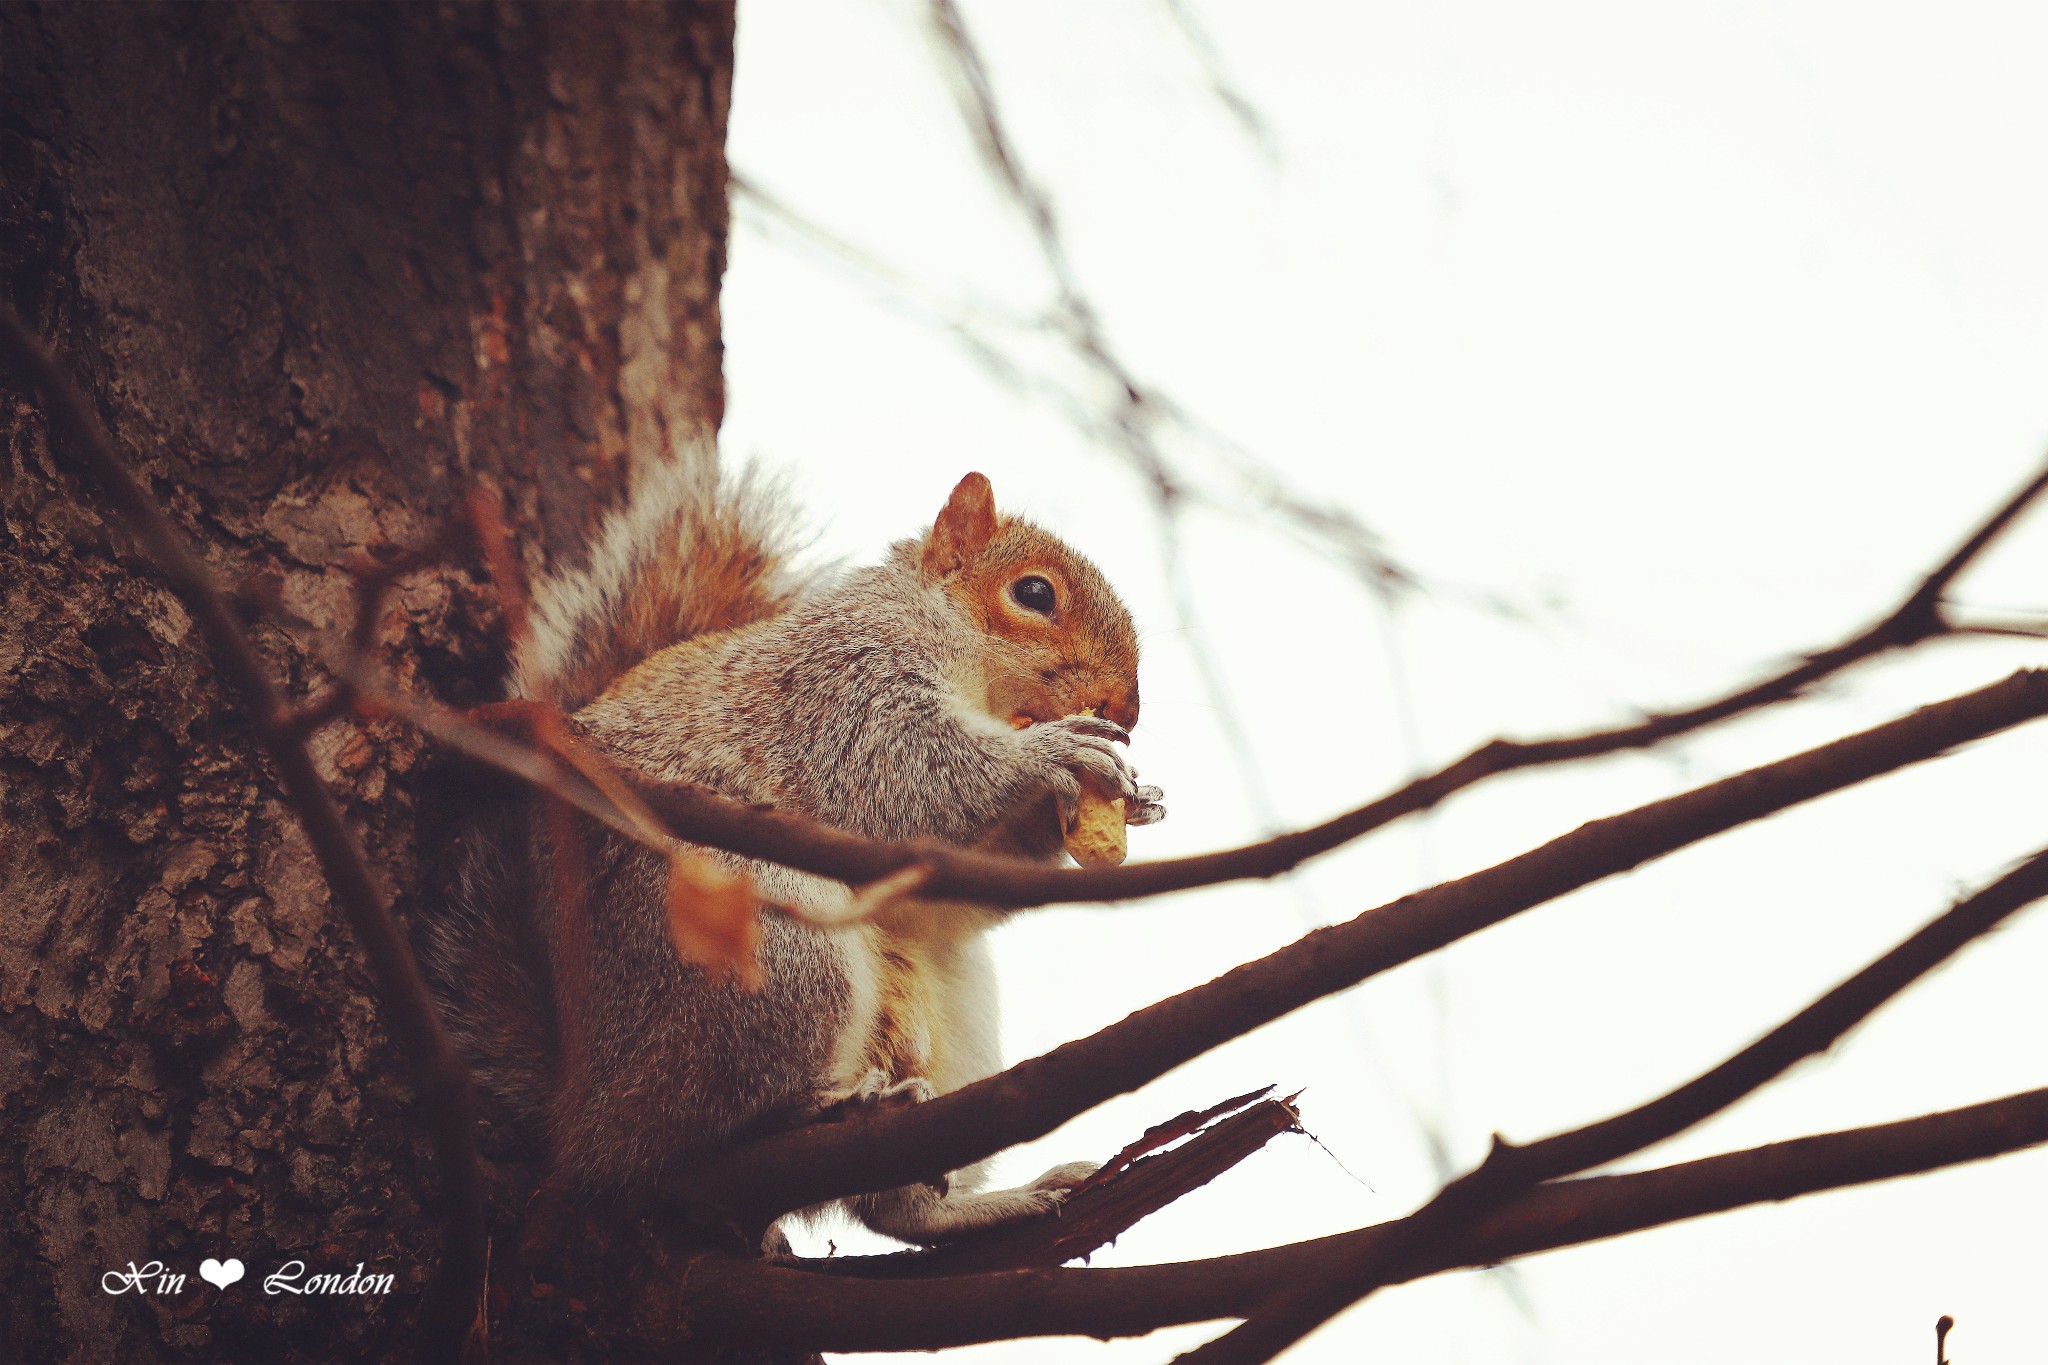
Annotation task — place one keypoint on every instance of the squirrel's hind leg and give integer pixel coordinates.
(926, 1215)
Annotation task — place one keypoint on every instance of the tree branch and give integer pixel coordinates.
(880, 1151)
(441, 1080)
(1509, 1169)
(776, 1306)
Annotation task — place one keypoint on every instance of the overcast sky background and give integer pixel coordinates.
(1694, 333)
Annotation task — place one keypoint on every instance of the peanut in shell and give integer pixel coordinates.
(1097, 836)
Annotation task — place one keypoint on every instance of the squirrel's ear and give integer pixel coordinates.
(966, 524)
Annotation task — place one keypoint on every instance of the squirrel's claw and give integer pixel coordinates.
(873, 1091)
(1143, 807)
(1097, 726)
(1059, 1182)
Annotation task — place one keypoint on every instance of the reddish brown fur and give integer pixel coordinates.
(708, 575)
(1088, 642)
(730, 570)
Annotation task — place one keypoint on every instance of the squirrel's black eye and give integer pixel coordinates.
(1033, 594)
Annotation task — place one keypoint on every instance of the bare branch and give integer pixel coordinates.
(795, 1169)
(2016, 630)
(441, 1080)
(776, 1306)
(1242, 110)
(1509, 1169)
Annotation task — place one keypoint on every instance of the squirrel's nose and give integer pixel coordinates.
(1122, 710)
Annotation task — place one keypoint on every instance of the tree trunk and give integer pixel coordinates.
(321, 268)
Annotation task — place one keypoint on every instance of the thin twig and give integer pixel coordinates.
(1234, 102)
(2017, 630)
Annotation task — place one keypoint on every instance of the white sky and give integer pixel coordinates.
(1697, 331)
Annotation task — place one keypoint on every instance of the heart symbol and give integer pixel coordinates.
(220, 1274)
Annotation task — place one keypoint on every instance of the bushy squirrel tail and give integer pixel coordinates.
(687, 555)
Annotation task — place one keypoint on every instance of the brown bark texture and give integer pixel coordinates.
(321, 268)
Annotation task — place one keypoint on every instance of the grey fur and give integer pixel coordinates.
(852, 705)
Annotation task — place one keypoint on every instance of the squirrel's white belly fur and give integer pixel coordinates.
(921, 988)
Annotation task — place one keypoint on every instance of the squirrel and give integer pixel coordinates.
(967, 689)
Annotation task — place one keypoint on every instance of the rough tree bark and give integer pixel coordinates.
(319, 267)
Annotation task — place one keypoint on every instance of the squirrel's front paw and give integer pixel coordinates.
(1074, 749)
